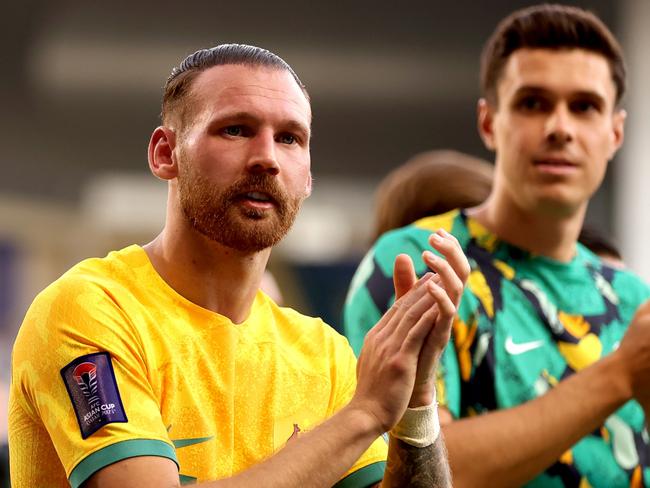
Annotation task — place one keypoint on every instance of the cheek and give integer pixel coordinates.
(300, 169)
(601, 144)
(510, 134)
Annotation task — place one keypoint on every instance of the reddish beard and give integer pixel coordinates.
(220, 216)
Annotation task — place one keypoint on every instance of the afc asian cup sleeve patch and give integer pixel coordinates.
(92, 388)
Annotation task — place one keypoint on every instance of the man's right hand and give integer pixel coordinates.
(400, 353)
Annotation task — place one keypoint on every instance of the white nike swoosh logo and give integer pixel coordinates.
(516, 349)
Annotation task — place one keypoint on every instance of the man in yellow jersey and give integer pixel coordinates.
(165, 364)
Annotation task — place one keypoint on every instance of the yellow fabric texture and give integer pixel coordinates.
(226, 395)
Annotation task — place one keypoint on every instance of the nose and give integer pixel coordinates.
(559, 125)
(262, 157)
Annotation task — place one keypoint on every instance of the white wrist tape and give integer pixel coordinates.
(419, 426)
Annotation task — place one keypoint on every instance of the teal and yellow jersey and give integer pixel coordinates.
(111, 363)
(525, 323)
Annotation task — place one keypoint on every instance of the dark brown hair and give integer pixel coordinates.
(180, 80)
(430, 183)
(549, 26)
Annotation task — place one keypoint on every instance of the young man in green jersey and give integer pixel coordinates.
(165, 364)
(550, 361)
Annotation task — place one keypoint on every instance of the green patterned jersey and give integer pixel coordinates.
(524, 323)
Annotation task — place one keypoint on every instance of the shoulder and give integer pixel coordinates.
(622, 286)
(413, 239)
(86, 284)
(623, 279)
(74, 316)
(419, 231)
(80, 303)
(631, 289)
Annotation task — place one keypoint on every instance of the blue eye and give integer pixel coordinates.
(287, 139)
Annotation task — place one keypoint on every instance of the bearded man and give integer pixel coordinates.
(165, 364)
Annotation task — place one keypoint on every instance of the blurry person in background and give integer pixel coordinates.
(430, 183)
(598, 243)
(549, 365)
(166, 364)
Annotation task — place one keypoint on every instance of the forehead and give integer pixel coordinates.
(563, 71)
(258, 90)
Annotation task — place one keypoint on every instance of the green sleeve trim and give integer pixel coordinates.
(117, 452)
(364, 477)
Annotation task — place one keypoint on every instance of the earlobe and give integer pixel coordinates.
(161, 148)
(308, 186)
(485, 119)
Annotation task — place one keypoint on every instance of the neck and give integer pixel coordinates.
(542, 233)
(215, 277)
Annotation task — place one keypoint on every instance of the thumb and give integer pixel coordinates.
(403, 275)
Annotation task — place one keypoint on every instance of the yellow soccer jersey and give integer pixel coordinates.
(111, 363)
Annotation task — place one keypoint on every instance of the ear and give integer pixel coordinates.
(161, 153)
(308, 186)
(485, 115)
(618, 130)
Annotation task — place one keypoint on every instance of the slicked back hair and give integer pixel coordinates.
(178, 85)
(549, 26)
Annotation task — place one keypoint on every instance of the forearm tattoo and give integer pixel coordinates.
(417, 466)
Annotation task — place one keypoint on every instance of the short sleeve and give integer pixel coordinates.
(80, 372)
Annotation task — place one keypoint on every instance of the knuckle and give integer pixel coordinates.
(450, 311)
(411, 315)
(397, 364)
(369, 339)
(398, 305)
(458, 286)
(430, 314)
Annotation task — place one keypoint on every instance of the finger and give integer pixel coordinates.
(447, 308)
(404, 276)
(417, 334)
(413, 315)
(438, 337)
(446, 311)
(407, 311)
(397, 310)
(447, 245)
(447, 277)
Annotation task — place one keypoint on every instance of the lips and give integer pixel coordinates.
(260, 191)
(559, 162)
(257, 198)
(555, 167)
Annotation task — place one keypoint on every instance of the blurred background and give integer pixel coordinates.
(80, 92)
